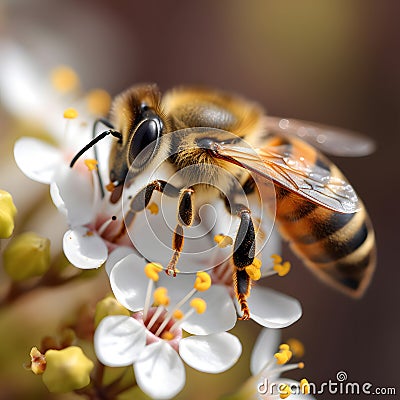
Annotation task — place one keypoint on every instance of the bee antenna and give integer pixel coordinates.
(102, 135)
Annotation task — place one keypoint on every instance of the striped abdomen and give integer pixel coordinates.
(339, 248)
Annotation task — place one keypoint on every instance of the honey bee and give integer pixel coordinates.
(317, 210)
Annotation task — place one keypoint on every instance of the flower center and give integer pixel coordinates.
(155, 319)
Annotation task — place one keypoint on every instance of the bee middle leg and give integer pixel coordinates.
(185, 218)
(142, 199)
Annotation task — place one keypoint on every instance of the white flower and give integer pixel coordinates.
(152, 340)
(93, 221)
(267, 364)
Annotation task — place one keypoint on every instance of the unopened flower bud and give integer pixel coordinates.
(7, 214)
(27, 255)
(108, 306)
(66, 370)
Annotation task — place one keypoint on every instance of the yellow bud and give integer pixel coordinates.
(161, 296)
(153, 208)
(27, 255)
(38, 361)
(152, 270)
(91, 164)
(253, 272)
(284, 391)
(199, 305)
(178, 314)
(297, 347)
(108, 306)
(223, 240)
(202, 282)
(304, 386)
(7, 214)
(70, 113)
(64, 79)
(67, 370)
(98, 101)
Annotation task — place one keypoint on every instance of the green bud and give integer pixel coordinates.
(7, 214)
(66, 370)
(27, 255)
(108, 306)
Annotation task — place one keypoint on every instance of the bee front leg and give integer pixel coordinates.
(185, 218)
(243, 256)
(142, 199)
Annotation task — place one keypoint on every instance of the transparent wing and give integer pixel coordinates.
(318, 184)
(330, 140)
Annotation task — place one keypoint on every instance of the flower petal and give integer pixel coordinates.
(264, 349)
(119, 340)
(219, 316)
(159, 371)
(129, 282)
(117, 255)
(212, 353)
(84, 248)
(75, 191)
(272, 309)
(36, 159)
(152, 236)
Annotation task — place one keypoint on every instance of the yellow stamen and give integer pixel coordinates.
(110, 187)
(167, 335)
(91, 164)
(300, 365)
(253, 272)
(64, 79)
(297, 347)
(223, 240)
(153, 208)
(282, 269)
(284, 391)
(70, 113)
(304, 386)
(281, 358)
(152, 270)
(202, 282)
(257, 263)
(276, 258)
(98, 101)
(284, 354)
(161, 297)
(199, 305)
(178, 314)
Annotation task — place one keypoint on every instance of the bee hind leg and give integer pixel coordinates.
(243, 256)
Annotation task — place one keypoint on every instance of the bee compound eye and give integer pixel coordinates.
(145, 138)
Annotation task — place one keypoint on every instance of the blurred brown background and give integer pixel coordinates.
(335, 62)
